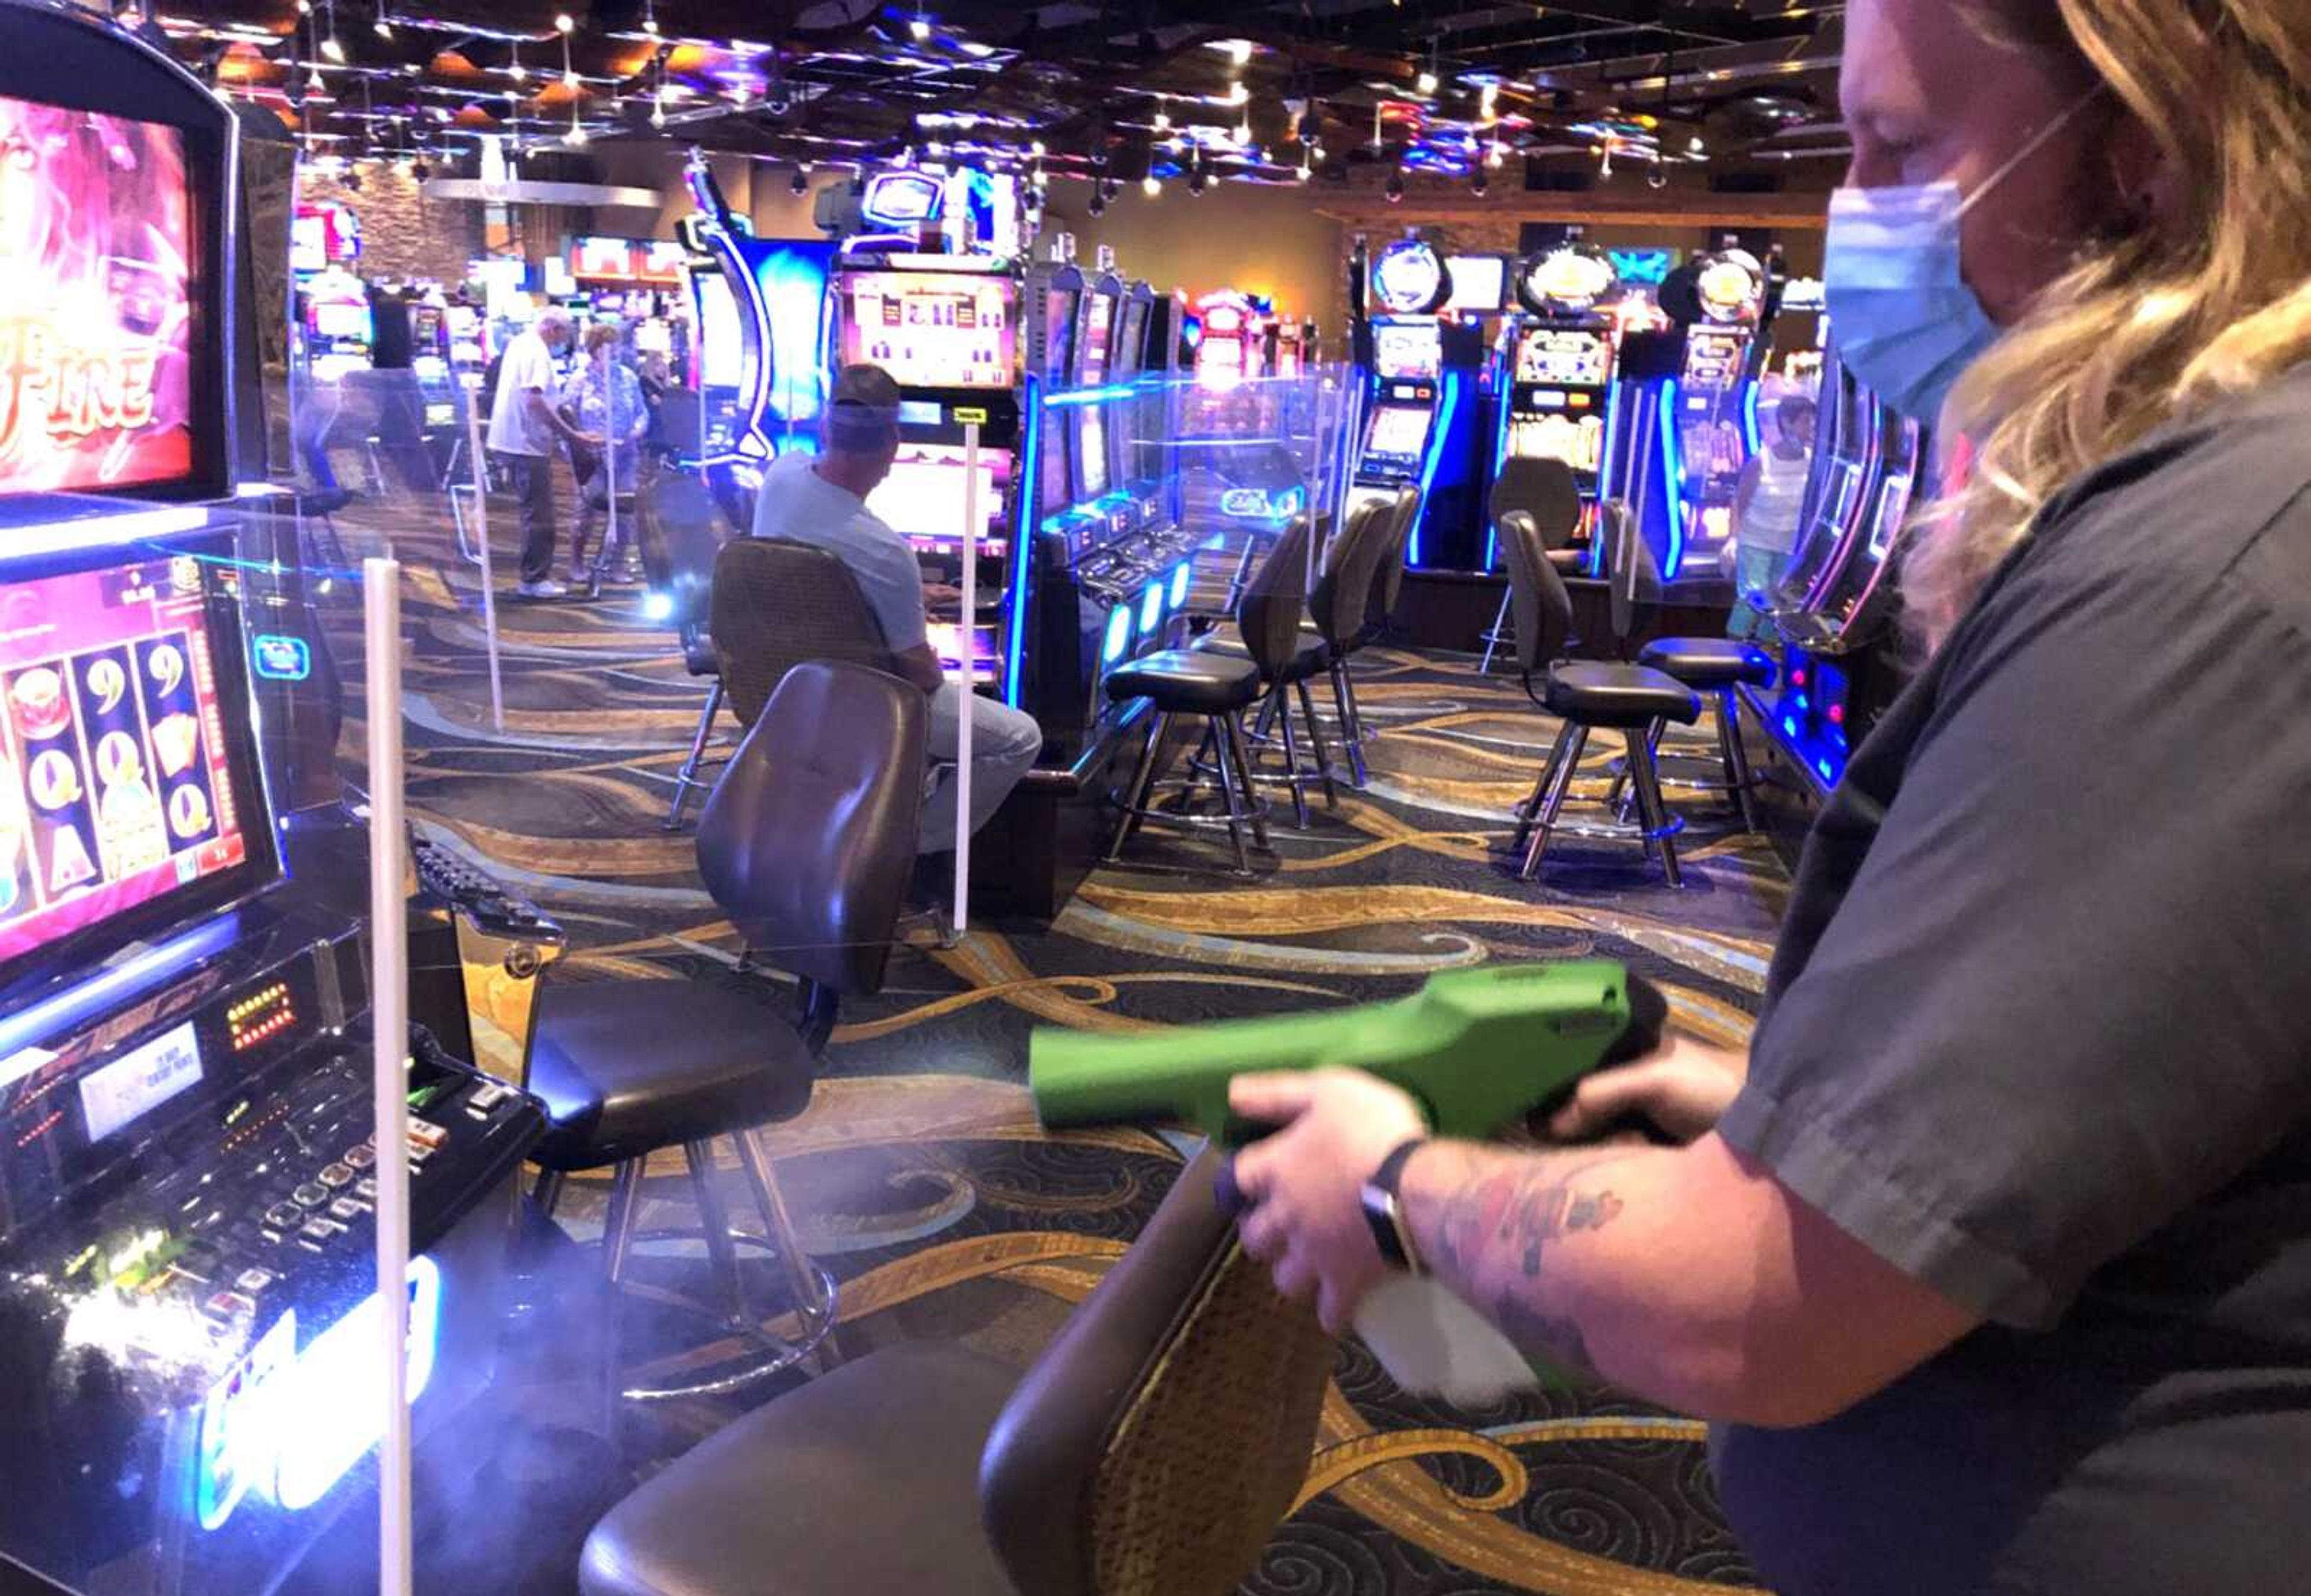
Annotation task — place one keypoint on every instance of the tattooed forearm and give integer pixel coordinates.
(1491, 1221)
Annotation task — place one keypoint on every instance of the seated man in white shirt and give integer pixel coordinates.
(822, 502)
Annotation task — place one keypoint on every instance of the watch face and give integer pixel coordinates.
(1388, 1230)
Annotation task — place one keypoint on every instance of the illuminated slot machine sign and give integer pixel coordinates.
(95, 326)
(1560, 382)
(934, 330)
(1224, 357)
(114, 789)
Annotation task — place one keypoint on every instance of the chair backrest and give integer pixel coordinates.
(808, 840)
(1351, 566)
(1268, 613)
(1390, 583)
(777, 604)
(679, 420)
(1164, 1433)
(1545, 490)
(1537, 594)
(1633, 574)
(680, 534)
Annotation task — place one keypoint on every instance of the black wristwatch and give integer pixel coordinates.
(1385, 1213)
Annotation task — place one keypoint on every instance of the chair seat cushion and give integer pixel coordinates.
(1187, 681)
(788, 1500)
(627, 1066)
(1619, 695)
(1311, 654)
(1709, 662)
(1572, 562)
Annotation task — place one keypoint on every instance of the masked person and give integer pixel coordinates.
(1991, 1260)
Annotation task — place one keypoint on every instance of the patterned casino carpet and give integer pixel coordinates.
(919, 1174)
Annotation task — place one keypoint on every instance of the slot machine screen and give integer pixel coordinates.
(721, 349)
(1408, 352)
(1060, 337)
(933, 329)
(128, 789)
(342, 321)
(1099, 329)
(1480, 284)
(1574, 358)
(99, 329)
(1094, 453)
(1399, 432)
(1578, 441)
(1131, 344)
(923, 498)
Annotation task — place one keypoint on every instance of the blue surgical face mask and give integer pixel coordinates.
(1906, 321)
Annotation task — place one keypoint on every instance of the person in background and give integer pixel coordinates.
(1989, 1258)
(1766, 515)
(525, 425)
(604, 400)
(822, 501)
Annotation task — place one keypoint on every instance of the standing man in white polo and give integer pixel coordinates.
(524, 426)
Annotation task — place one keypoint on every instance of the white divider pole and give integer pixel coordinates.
(968, 631)
(482, 542)
(388, 920)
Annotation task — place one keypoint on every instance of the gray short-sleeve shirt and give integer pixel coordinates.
(794, 502)
(2035, 1036)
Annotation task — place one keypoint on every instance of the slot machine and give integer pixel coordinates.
(340, 332)
(1711, 411)
(189, 1323)
(1558, 389)
(1841, 664)
(946, 329)
(1419, 423)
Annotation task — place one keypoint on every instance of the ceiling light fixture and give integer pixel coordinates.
(920, 26)
(800, 183)
(1163, 123)
(1239, 50)
(1237, 93)
(1151, 186)
(650, 18)
(514, 68)
(332, 47)
(384, 28)
(1395, 189)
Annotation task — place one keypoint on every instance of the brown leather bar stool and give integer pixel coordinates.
(1381, 593)
(1151, 1450)
(1624, 698)
(807, 843)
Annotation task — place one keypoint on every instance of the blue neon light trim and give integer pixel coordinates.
(1119, 634)
(1092, 395)
(279, 658)
(123, 980)
(1673, 480)
(1178, 585)
(1031, 453)
(1501, 438)
(749, 440)
(1445, 407)
(1151, 609)
(1605, 469)
(1750, 418)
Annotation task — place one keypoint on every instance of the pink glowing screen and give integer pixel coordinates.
(96, 325)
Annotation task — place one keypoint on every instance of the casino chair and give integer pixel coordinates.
(1217, 686)
(1271, 632)
(1338, 606)
(807, 843)
(1549, 491)
(1630, 699)
(676, 521)
(1151, 1450)
(777, 604)
(1716, 666)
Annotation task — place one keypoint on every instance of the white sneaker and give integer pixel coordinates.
(548, 588)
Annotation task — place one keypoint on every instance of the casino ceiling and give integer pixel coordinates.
(1271, 93)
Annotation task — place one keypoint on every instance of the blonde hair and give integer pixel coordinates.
(2210, 301)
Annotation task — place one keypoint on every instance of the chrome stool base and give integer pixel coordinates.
(1538, 816)
(1243, 806)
